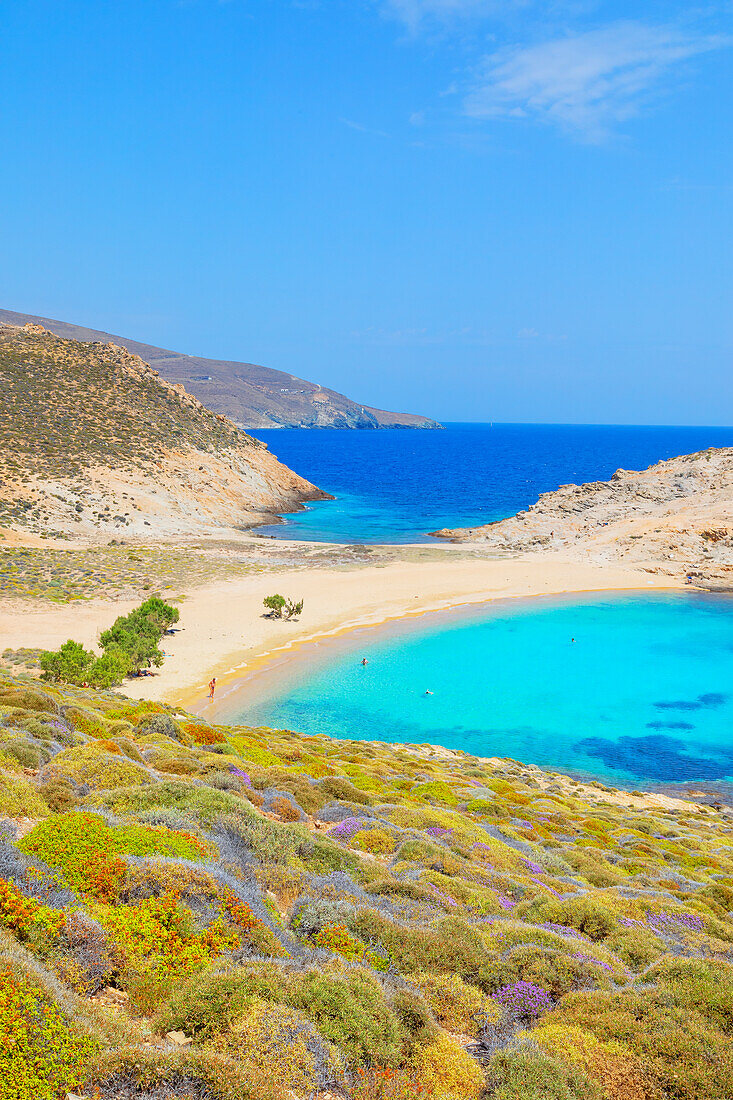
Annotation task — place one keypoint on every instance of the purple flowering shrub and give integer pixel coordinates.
(438, 831)
(344, 830)
(524, 1000)
(241, 775)
(672, 922)
(505, 902)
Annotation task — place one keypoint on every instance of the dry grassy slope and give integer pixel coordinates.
(676, 515)
(93, 439)
(253, 396)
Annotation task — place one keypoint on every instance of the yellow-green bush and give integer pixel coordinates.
(376, 841)
(42, 1054)
(19, 799)
(448, 1071)
(93, 765)
(457, 1005)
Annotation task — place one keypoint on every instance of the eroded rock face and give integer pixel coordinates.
(677, 516)
(93, 440)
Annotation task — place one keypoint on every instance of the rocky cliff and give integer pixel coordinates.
(250, 395)
(93, 440)
(675, 516)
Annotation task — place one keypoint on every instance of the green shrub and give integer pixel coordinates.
(435, 791)
(206, 1004)
(335, 786)
(58, 794)
(42, 1054)
(529, 1075)
(348, 1007)
(24, 751)
(587, 914)
(27, 698)
(101, 770)
(19, 799)
(70, 664)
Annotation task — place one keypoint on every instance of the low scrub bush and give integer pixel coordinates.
(42, 1054)
(457, 1005)
(349, 1009)
(448, 1071)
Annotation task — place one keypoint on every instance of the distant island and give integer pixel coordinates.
(250, 395)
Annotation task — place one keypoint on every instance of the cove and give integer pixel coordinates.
(630, 688)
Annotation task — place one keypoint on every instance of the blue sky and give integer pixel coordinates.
(476, 209)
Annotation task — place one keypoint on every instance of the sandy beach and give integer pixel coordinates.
(223, 631)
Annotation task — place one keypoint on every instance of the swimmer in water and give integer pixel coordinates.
(364, 661)
(428, 693)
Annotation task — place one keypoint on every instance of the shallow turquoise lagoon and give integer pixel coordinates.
(644, 692)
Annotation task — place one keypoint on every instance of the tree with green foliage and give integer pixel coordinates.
(138, 634)
(130, 645)
(293, 609)
(275, 605)
(109, 669)
(68, 665)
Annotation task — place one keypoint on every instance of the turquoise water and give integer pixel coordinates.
(643, 694)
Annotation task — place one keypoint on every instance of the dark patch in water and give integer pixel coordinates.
(656, 757)
(710, 699)
(670, 726)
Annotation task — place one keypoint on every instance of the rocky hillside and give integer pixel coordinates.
(250, 395)
(219, 913)
(675, 516)
(92, 440)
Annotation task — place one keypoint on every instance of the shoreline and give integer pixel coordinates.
(348, 601)
(224, 633)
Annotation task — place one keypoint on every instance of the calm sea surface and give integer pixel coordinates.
(396, 486)
(644, 692)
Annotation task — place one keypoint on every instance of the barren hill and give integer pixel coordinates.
(677, 516)
(92, 439)
(251, 395)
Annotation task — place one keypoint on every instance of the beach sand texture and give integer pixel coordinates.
(223, 631)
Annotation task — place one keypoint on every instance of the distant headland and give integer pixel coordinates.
(250, 395)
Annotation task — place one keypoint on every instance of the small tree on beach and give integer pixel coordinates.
(68, 665)
(275, 605)
(293, 610)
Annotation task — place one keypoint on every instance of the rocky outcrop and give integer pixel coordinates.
(252, 396)
(675, 517)
(92, 440)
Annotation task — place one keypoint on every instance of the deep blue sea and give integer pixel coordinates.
(396, 486)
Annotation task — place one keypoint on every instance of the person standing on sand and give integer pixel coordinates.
(212, 687)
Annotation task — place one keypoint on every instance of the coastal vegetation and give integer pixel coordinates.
(280, 607)
(129, 646)
(201, 911)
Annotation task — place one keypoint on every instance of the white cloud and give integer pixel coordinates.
(584, 82)
(413, 12)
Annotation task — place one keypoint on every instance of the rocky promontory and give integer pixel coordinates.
(93, 441)
(675, 517)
